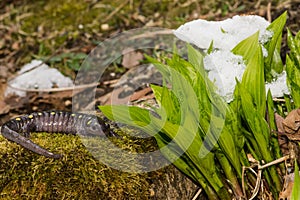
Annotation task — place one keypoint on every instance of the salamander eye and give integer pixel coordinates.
(94, 127)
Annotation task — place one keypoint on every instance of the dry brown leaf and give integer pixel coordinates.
(288, 187)
(288, 131)
(141, 94)
(131, 58)
(291, 123)
(4, 108)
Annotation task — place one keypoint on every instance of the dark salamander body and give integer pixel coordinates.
(18, 129)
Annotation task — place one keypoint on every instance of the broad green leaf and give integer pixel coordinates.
(184, 136)
(132, 116)
(196, 59)
(253, 77)
(273, 60)
(168, 101)
(213, 120)
(184, 164)
(261, 132)
(256, 122)
(227, 144)
(247, 47)
(180, 75)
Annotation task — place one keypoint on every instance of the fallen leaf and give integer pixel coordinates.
(141, 94)
(288, 187)
(131, 58)
(291, 123)
(4, 108)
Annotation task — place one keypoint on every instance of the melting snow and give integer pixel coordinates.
(278, 87)
(224, 34)
(222, 65)
(41, 77)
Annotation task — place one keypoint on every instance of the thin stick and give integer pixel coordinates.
(259, 174)
(274, 162)
(197, 194)
(115, 11)
(55, 89)
(257, 185)
(269, 12)
(243, 181)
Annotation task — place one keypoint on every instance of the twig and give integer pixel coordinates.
(269, 12)
(258, 181)
(243, 181)
(274, 162)
(115, 11)
(197, 194)
(259, 174)
(55, 89)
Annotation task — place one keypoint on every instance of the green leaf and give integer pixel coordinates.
(293, 81)
(253, 77)
(273, 128)
(261, 132)
(296, 187)
(247, 47)
(294, 45)
(293, 67)
(185, 137)
(196, 59)
(211, 47)
(273, 60)
(167, 100)
(256, 122)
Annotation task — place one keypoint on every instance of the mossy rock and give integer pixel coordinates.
(78, 175)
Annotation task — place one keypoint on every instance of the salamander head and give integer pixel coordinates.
(97, 127)
(93, 127)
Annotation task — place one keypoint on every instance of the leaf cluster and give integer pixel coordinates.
(202, 135)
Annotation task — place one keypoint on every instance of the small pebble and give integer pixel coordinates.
(104, 27)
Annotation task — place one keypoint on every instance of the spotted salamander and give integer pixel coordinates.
(18, 129)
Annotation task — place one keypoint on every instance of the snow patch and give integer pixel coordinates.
(41, 77)
(225, 34)
(278, 87)
(223, 67)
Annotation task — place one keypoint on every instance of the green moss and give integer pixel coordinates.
(78, 175)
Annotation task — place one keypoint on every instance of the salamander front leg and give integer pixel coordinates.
(27, 128)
